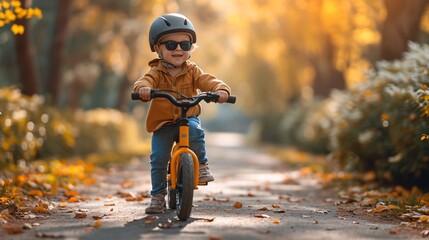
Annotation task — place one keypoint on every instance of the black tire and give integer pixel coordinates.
(185, 187)
(172, 195)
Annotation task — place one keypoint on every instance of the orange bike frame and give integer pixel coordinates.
(178, 150)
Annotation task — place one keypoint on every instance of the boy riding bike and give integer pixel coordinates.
(173, 38)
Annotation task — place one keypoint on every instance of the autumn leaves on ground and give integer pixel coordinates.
(30, 193)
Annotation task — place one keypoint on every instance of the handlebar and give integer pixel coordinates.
(190, 101)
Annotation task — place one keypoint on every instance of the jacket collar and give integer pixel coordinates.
(157, 63)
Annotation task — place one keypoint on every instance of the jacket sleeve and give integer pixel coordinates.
(147, 80)
(209, 83)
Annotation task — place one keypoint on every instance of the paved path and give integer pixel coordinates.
(273, 206)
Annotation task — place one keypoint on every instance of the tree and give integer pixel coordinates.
(18, 13)
(401, 25)
(25, 57)
(57, 57)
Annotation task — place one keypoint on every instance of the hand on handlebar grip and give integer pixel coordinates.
(223, 96)
(144, 93)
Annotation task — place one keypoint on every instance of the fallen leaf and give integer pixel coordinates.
(71, 193)
(238, 205)
(390, 207)
(5, 214)
(62, 205)
(380, 208)
(215, 238)
(424, 233)
(13, 229)
(263, 209)
(89, 181)
(127, 183)
(126, 195)
(98, 217)
(73, 199)
(208, 219)
(221, 199)
(262, 215)
(278, 211)
(97, 224)
(80, 215)
(109, 204)
(276, 221)
(423, 219)
(40, 209)
(275, 206)
(368, 201)
(290, 181)
(36, 193)
(134, 199)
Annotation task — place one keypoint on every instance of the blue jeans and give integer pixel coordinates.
(162, 142)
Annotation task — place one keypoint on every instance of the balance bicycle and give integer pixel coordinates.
(183, 167)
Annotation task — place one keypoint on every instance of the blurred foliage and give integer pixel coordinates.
(32, 130)
(377, 126)
(306, 125)
(248, 43)
(12, 10)
(27, 189)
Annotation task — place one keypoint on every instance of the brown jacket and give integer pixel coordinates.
(191, 78)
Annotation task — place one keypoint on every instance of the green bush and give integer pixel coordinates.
(380, 123)
(306, 125)
(32, 130)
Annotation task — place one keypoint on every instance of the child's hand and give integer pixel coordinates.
(144, 93)
(223, 96)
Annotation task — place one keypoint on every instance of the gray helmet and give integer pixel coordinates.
(170, 23)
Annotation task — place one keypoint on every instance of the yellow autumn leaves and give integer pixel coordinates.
(12, 10)
(26, 192)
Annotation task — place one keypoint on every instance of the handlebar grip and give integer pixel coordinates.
(135, 96)
(231, 99)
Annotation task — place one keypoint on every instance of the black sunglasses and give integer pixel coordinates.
(172, 45)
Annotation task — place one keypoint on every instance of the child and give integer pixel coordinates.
(173, 37)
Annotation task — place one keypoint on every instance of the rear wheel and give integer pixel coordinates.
(185, 186)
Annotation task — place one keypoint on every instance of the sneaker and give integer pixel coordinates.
(205, 175)
(157, 204)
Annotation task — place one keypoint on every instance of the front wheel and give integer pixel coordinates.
(171, 196)
(185, 186)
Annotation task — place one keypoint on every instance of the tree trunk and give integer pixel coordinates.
(57, 56)
(24, 56)
(402, 25)
(327, 77)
